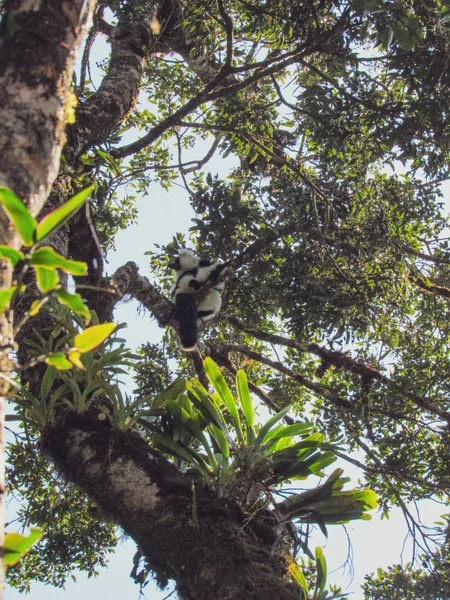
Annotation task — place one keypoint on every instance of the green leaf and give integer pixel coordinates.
(58, 217)
(171, 392)
(289, 430)
(366, 497)
(221, 387)
(16, 544)
(74, 302)
(244, 398)
(59, 361)
(13, 256)
(202, 401)
(269, 424)
(47, 258)
(46, 280)
(321, 567)
(5, 298)
(47, 382)
(93, 336)
(220, 438)
(403, 36)
(18, 214)
(298, 577)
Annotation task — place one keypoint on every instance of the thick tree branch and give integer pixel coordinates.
(36, 66)
(186, 533)
(132, 41)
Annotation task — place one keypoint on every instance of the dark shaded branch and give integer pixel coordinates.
(317, 389)
(340, 360)
(126, 282)
(131, 42)
(208, 94)
(428, 286)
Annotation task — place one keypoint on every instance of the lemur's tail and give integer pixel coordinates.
(187, 321)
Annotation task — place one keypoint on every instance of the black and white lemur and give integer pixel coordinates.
(192, 274)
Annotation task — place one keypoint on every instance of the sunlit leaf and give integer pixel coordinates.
(220, 385)
(59, 361)
(244, 397)
(5, 298)
(11, 255)
(74, 358)
(47, 258)
(93, 336)
(298, 577)
(16, 544)
(269, 424)
(58, 217)
(74, 302)
(202, 401)
(321, 568)
(289, 430)
(46, 280)
(18, 214)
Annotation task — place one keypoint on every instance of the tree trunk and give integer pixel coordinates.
(206, 544)
(39, 45)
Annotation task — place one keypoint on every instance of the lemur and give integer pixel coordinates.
(192, 273)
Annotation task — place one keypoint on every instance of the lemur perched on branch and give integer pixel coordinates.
(193, 274)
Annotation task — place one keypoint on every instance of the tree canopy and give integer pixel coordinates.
(334, 119)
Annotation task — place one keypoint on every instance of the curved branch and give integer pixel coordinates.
(131, 42)
(340, 360)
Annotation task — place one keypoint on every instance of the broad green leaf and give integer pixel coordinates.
(321, 567)
(367, 497)
(13, 256)
(175, 388)
(47, 382)
(221, 387)
(5, 298)
(404, 36)
(220, 438)
(58, 217)
(46, 280)
(18, 214)
(202, 400)
(269, 424)
(298, 577)
(47, 258)
(245, 399)
(59, 361)
(289, 430)
(74, 358)
(92, 337)
(16, 544)
(74, 302)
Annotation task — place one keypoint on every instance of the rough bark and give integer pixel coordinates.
(39, 44)
(204, 543)
(131, 43)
